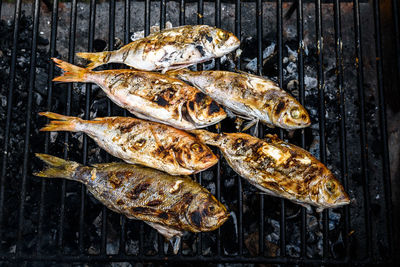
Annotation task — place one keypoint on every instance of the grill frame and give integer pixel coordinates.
(40, 255)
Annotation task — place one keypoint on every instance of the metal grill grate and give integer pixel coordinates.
(62, 230)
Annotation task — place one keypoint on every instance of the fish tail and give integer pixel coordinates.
(72, 72)
(57, 168)
(206, 137)
(61, 123)
(177, 73)
(96, 59)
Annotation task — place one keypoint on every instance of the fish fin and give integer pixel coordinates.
(175, 242)
(63, 123)
(72, 72)
(174, 73)
(96, 59)
(171, 234)
(249, 124)
(57, 168)
(273, 138)
(207, 137)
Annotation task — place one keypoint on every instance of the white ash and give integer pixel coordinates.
(3, 100)
(229, 182)
(234, 219)
(252, 65)
(211, 188)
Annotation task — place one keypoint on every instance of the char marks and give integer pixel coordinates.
(279, 108)
(213, 108)
(195, 218)
(155, 202)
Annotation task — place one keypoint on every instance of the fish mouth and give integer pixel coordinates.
(343, 200)
(223, 217)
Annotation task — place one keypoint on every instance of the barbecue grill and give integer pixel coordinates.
(326, 53)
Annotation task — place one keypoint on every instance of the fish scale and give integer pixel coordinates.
(150, 96)
(279, 169)
(141, 142)
(172, 48)
(251, 96)
(145, 194)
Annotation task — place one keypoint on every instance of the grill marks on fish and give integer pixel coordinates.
(278, 168)
(175, 47)
(142, 142)
(249, 95)
(148, 95)
(175, 203)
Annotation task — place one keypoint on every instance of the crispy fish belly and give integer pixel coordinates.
(279, 169)
(169, 49)
(150, 96)
(142, 142)
(249, 95)
(170, 204)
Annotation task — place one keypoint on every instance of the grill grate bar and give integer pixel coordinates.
(182, 12)
(53, 37)
(259, 71)
(71, 52)
(25, 166)
(300, 60)
(200, 21)
(383, 125)
(17, 15)
(176, 258)
(88, 87)
(321, 90)
(127, 26)
(238, 22)
(163, 4)
(341, 91)
(218, 182)
(279, 22)
(395, 8)
(363, 133)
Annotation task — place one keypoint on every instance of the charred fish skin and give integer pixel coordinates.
(172, 204)
(150, 96)
(172, 48)
(249, 95)
(142, 142)
(279, 169)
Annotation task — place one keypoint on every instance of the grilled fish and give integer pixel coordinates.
(279, 169)
(170, 204)
(169, 49)
(142, 142)
(150, 96)
(252, 96)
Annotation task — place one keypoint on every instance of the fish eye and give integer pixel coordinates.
(195, 147)
(295, 113)
(211, 208)
(330, 187)
(222, 35)
(140, 142)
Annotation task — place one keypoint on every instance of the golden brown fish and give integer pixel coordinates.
(142, 142)
(279, 169)
(150, 96)
(170, 204)
(170, 49)
(251, 96)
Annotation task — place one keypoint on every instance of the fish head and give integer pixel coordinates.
(288, 113)
(206, 213)
(203, 111)
(220, 42)
(329, 192)
(198, 156)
